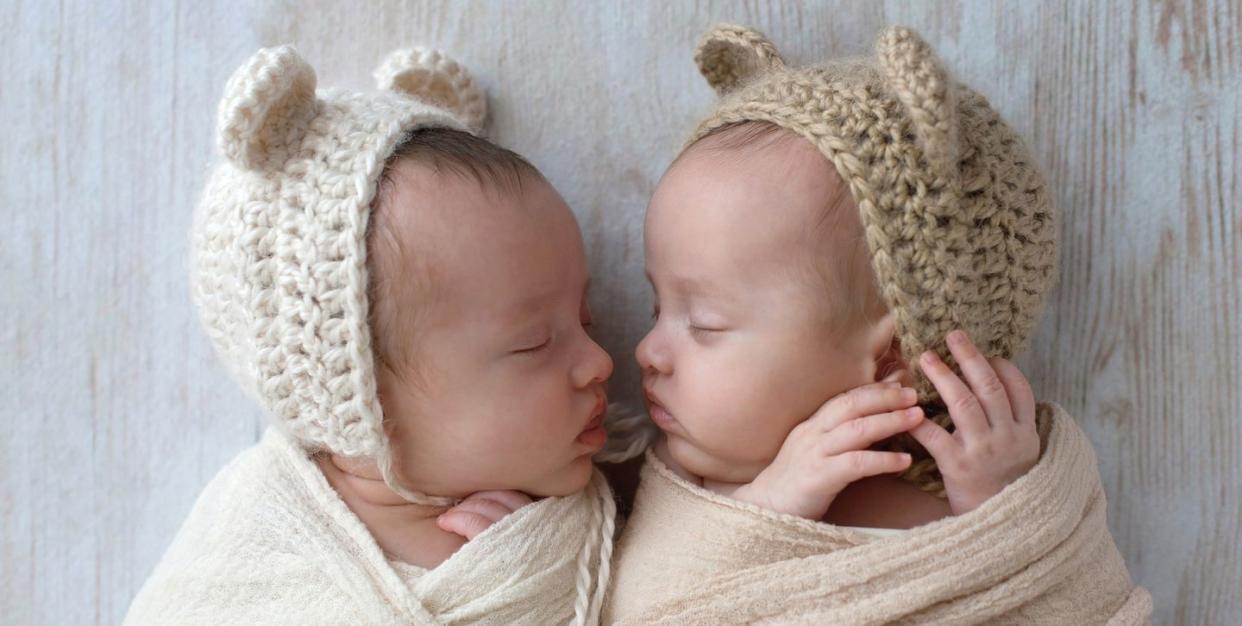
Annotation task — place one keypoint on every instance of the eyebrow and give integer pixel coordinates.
(693, 286)
(538, 300)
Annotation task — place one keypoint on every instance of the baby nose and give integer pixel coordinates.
(651, 354)
(596, 367)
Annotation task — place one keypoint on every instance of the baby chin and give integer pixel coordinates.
(568, 480)
(706, 465)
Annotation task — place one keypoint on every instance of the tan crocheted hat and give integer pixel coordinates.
(279, 270)
(958, 221)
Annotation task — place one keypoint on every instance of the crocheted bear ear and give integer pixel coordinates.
(267, 102)
(435, 78)
(915, 75)
(729, 55)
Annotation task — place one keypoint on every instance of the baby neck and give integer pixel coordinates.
(405, 531)
(720, 487)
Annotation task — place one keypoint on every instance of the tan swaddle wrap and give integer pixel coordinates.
(1039, 552)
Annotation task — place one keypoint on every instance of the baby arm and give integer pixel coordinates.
(829, 451)
(479, 511)
(994, 440)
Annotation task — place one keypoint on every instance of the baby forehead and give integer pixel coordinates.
(756, 140)
(759, 211)
(776, 166)
(421, 201)
(451, 233)
(762, 195)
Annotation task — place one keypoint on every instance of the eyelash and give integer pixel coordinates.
(694, 330)
(534, 349)
(587, 324)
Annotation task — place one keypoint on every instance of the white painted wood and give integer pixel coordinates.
(114, 412)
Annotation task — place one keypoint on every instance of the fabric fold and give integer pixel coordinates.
(1040, 551)
(269, 541)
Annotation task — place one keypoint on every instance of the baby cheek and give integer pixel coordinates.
(544, 401)
(740, 410)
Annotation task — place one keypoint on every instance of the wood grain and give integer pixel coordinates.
(116, 412)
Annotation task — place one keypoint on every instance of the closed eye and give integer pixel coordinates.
(533, 349)
(699, 325)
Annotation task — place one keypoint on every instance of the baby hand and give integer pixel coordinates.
(479, 511)
(995, 441)
(829, 451)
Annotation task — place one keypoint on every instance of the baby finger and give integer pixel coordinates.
(862, 432)
(858, 464)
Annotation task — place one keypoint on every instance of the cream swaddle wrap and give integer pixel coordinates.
(269, 541)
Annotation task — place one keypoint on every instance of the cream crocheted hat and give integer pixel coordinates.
(279, 238)
(959, 224)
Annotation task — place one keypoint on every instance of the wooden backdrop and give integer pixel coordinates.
(115, 413)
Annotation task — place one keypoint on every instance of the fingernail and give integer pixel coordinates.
(957, 337)
(930, 358)
(909, 395)
(914, 412)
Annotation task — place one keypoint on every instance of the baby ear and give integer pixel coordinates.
(267, 103)
(432, 77)
(729, 55)
(915, 75)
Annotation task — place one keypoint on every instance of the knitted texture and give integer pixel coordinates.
(1038, 552)
(959, 224)
(279, 238)
(270, 542)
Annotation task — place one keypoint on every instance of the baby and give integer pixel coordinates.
(810, 252)
(409, 302)
(771, 311)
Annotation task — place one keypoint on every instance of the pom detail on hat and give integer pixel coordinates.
(917, 79)
(729, 55)
(267, 103)
(433, 77)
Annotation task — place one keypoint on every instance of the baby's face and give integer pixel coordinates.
(742, 349)
(507, 387)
